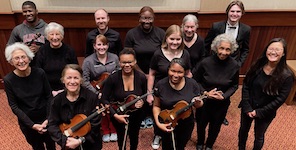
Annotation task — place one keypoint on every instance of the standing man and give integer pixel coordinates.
(233, 26)
(31, 31)
(102, 19)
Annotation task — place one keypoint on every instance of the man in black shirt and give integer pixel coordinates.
(102, 19)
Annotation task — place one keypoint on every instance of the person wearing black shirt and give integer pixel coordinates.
(232, 26)
(102, 19)
(194, 43)
(145, 39)
(123, 85)
(266, 87)
(169, 91)
(75, 100)
(29, 96)
(172, 47)
(54, 56)
(219, 74)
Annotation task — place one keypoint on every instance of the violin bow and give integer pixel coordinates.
(125, 136)
(173, 139)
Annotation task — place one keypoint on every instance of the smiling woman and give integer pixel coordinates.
(55, 55)
(217, 73)
(29, 87)
(265, 89)
(74, 101)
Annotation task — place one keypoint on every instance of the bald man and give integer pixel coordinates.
(102, 19)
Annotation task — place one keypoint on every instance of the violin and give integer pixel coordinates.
(181, 110)
(36, 36)
(79, 125)
(98, 84)
(128, 104)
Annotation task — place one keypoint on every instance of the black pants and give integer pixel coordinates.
(260, 128)
(37, 140)
(182, 134)
(213, 113)
(135, 120)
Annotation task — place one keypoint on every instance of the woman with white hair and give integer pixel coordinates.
(194, 43)
(29, 95)
(219, 75)
(55, 55)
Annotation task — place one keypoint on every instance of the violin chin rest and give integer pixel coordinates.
(66, 132)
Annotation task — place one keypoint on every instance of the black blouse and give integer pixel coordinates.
(113, 90)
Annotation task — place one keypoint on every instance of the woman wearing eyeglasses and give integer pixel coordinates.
(29, 95)
(121, 88)
(145, 39)
(266, 87)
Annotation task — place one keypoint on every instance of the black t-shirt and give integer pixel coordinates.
(169, 96)
(144, 44)
(160, 64)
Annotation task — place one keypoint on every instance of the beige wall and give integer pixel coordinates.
(218, 6)
(202, 6)
(5, 7)
(110, 5)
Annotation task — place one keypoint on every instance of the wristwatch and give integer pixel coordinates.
(82, 139)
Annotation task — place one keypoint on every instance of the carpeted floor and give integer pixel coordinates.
(280, 136)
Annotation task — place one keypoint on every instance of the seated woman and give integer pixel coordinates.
(266, 87)
(121, 85)
(68, 104)
(171, 90)
(54, 56)
(218, 73)
(96, 68)
(29, 95)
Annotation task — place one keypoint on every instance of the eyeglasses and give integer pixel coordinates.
(20, 57)
(274, 49)
(146, 18)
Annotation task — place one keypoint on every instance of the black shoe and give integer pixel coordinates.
(225, 122)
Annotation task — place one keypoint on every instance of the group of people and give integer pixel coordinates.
(157, 72)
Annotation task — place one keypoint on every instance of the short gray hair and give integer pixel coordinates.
(188, 18)
(54, 26)
(18, 46)
(224, 38)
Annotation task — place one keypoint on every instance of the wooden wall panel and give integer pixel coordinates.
(265, 26)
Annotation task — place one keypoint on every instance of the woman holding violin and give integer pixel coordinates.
(172, 47)
(96, 69)
(122, 85)
(171, 90)
(75, 100)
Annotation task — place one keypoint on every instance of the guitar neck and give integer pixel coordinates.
(83, 122)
